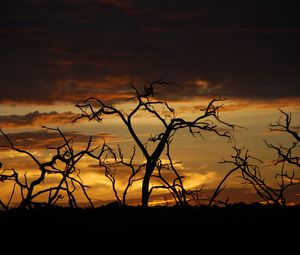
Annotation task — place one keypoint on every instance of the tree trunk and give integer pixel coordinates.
(151, 163)
(145, 191)
(145, 185)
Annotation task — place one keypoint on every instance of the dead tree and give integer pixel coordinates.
(286, 154)
(196, 195)
(111, 161)
(251, 174)
(221, 186)
(63, 163)
(174, 186)
(207, 121)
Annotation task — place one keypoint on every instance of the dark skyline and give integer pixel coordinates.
(66, 50)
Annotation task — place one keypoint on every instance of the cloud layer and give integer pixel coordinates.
(67, 50)
(36, 119)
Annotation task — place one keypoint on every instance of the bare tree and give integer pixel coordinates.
(196, 195)
(63, 163)
(252, 175)
(111, 161)
(145, 100)
(221, 186)
(286, 154)
(174, 186)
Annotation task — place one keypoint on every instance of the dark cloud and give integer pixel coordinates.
(39, 139)
(44, 138)
(247, 49)
(36, 119)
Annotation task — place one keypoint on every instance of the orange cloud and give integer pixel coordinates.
(239, 104)
(109, 89)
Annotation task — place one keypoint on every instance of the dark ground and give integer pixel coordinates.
(118, 219)
(214, 227)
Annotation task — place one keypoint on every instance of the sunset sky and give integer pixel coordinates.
(56, 53)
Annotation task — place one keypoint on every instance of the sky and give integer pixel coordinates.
(54, 54)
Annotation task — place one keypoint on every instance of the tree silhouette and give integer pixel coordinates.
(63, 163)
(146, 100)
(196, 195)
(111, 160)
(286, 154)
(174, 186)
(252, 174)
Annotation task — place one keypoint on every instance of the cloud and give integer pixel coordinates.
(242, 104)
(66, 50)
(110, 88)
(36, 119)
(123, 5)
(43, 138)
